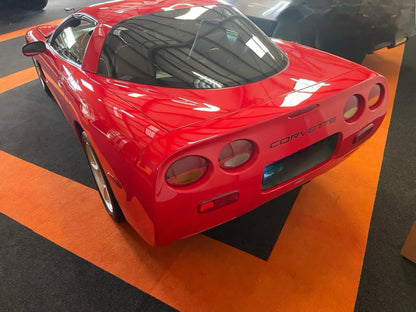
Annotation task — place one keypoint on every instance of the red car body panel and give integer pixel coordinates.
(139, 130)
(174, 109)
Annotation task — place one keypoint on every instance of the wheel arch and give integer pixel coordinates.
(78, 130)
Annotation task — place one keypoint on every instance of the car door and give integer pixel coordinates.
(67, 47)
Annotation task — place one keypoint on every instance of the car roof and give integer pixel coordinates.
(110, 13)
(115, 11)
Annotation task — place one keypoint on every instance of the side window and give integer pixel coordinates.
(72, 40)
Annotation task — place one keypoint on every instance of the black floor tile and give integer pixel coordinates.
(37, 275)
(388, 281)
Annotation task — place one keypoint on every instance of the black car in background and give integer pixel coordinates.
(348, 28)
(33, 5)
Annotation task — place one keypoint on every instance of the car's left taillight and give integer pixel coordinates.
(186, 170)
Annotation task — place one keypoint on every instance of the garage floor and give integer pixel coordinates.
(332, 245)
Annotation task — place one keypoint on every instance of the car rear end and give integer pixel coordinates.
(217, 160)
(211, 172)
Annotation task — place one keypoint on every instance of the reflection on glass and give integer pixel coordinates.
(257, 47)
(72, 41)
(197, 48)
(207, 80)
(69, 37)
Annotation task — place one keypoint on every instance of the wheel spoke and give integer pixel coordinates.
(99, 178)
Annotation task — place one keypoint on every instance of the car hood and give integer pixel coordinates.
(176, 108)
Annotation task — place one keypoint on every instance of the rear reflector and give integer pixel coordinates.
(218, 202)
(362, 134)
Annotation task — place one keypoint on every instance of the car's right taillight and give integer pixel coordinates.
(236, 154)
(353, 108)
(186, 170)
(375, 96)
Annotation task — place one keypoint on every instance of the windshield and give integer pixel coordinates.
(198, 48)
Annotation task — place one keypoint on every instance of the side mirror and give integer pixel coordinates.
(33, 48)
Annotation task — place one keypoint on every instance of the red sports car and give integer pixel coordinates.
(190, 116)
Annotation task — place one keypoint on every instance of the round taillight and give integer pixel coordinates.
(236, 154)
(352, 108)
(375, 96)
(186, 170)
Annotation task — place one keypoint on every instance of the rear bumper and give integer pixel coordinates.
(174, 211)
(180, 217)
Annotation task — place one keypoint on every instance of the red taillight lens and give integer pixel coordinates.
(375, 97)
(352, 108)
(186, 170)
(236, 154)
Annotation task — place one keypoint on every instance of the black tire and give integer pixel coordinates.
(41, 77)
(104, 188)
(33, 5)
